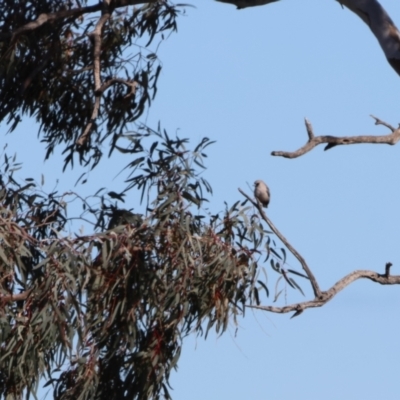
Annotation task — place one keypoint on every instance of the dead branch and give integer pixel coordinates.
(333, 141)
(387, 269)
(321, 297)
(371, 12)
(306, 268)
(298, 308)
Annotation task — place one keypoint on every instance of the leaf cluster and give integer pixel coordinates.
(104, 315)
(47, 70)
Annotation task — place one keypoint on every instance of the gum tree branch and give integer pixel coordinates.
(321, 297)
(306, 268)
(370, 11)
(381, 25)
(74, 12)
(99, 88)
(131, 85)
(298, 308)
(95, 35)
(333, 141)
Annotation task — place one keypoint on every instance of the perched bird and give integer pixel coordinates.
(247, 3)
(261, 191)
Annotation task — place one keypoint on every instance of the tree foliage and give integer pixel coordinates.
(84, 78)
(104, 315)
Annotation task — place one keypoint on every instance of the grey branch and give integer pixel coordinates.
(298, 308)
(332, 141)
(307, 270)
(321, 297)
(247, 3)
(371, 12)
(381, 25)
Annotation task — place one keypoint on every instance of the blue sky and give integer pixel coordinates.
(247, 79)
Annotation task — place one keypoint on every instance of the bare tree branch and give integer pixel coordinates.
(381, 25)
(383, 279)
(333, 141)
(371, 12)
(247, 3)
(321, 297)
(314, 283)
(387, 269)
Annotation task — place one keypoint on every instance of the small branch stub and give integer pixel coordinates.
(387, 269)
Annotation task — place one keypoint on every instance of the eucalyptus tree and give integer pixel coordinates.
(104, 315)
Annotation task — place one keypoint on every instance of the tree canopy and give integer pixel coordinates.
(104, 315)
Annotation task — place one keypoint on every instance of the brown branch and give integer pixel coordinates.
(106, 7)
(307, 270)
(96, 38)
(75, 12)
(333, 141)
(45, 18)
(383, 279)
(131, 85)
(99, 88)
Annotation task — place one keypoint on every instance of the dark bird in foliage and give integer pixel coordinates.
(124, 217)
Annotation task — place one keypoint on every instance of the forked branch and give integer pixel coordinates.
(321, 297)
(332, 141)
(99, 87)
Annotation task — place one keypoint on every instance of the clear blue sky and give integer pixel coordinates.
(247, 79)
